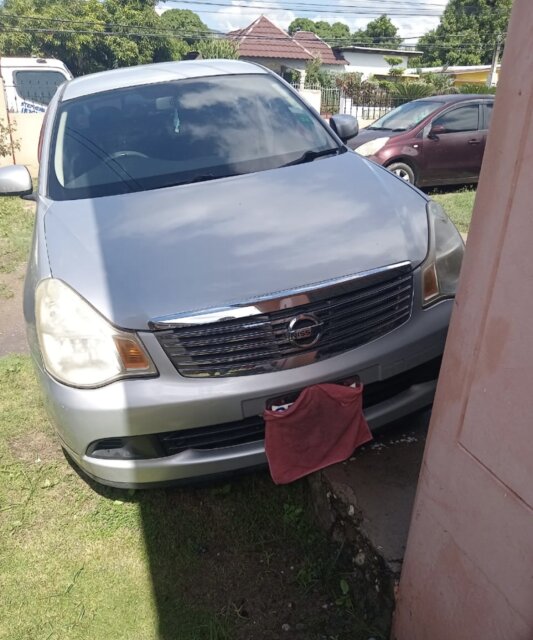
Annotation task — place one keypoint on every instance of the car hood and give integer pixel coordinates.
(140, 256)
(365, 135)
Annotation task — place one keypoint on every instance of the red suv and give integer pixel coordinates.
(432, 141)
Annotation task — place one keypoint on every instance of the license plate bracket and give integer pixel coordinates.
(283, 402)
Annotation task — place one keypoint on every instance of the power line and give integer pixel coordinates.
(142, 34)
(295, 6)
(185, 34)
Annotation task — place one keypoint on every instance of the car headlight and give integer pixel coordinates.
(440, 271)
(372, 147)
(79, 347)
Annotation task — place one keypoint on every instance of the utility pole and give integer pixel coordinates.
(491, 78)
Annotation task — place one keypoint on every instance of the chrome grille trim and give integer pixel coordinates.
(352, 314)
(274, 301)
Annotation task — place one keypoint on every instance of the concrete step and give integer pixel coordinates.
(365, 504)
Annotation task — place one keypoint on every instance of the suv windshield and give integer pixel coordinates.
(406, 116)
(158, 135)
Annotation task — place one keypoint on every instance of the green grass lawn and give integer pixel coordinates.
(230, 561)
(458, 204)
(16, 224)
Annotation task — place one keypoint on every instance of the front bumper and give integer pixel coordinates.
(171, 402)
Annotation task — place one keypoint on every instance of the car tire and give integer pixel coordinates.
(403, 171)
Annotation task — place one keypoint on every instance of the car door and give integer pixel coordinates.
(453, 145)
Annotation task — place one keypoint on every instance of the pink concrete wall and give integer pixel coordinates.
(468, 572)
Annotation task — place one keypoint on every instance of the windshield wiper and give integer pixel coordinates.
(203, 177)
(379, 128)
(311, 154)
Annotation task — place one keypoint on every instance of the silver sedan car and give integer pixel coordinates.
(206, 245)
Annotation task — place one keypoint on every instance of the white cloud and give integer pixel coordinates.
(234, 17)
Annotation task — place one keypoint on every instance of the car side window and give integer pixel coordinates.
(39, 85)
(464, 118)
(488, 114)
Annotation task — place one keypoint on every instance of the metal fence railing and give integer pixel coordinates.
(366, 104)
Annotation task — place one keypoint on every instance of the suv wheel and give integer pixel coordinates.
(403, 171)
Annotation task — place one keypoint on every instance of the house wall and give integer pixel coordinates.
(473, 77)
(467, 573)
(369, 63)
(276, 64)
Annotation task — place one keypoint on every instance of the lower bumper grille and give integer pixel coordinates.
(352, 314)
(253, 429)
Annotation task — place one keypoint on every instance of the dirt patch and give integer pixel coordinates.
(35, 446)
(12, 328)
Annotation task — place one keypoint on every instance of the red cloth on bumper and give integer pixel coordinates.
(324, 426)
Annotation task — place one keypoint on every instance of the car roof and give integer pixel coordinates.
(458, 97)
(154, 73)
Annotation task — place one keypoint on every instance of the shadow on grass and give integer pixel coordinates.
(449, 189)
(239, 559)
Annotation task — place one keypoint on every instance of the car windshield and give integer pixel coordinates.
(178, 132)
(405, 117)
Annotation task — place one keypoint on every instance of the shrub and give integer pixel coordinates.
(8, 143)
(442, 83)
(407, 91)
(476, 88)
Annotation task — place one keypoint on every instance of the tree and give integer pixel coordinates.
(378, 33)
(395, 69)
(185, 23)
(467, 33)
(218, 48)
(339, 30)
(361, 38)
(88, 35)
(334, 33)
(382, 33)
(301, 24)
(314, 76)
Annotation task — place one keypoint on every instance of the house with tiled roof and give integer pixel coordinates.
(267, 44)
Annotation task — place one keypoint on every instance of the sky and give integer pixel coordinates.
(418, 16)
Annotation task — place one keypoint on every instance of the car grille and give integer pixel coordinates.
(262, 343)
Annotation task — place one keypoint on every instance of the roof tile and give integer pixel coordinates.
(317, 47)
(263, 39)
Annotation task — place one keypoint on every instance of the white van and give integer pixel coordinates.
(30, 83)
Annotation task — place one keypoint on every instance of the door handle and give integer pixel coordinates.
(474, 141)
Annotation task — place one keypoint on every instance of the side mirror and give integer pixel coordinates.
(344, 125)
(15, 180)
(436, 130)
